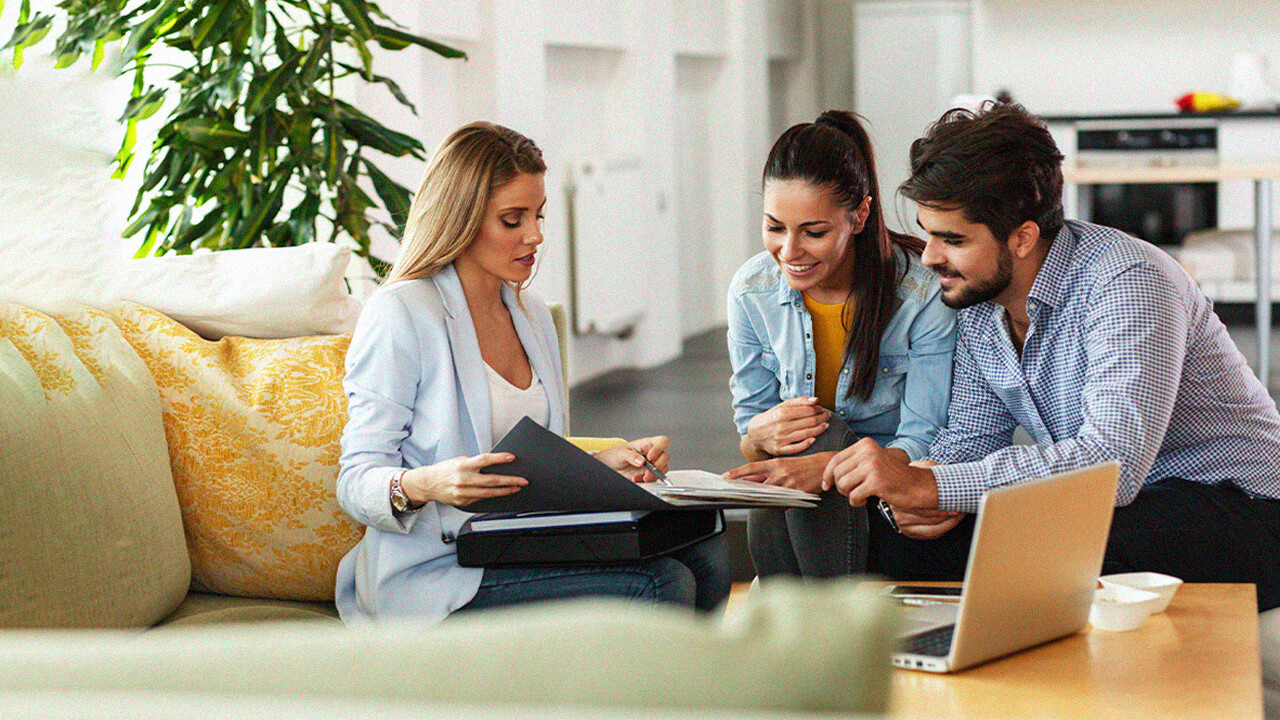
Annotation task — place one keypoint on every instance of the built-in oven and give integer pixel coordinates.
(1162, 213)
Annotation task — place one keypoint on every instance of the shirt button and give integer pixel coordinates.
(808, 377)
(842, 412)
(806, 336)
(884, 369)
(845, 371)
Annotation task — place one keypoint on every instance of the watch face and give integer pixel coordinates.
(399, 501)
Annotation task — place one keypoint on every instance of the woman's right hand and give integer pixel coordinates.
(789, 427)
(459, 481)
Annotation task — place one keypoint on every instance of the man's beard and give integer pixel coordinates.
(973, 293)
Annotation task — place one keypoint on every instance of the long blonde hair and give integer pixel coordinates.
(467, 168)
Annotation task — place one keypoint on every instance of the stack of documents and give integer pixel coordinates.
(698, 487)
(563, 478)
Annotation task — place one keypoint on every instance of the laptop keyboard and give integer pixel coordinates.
(935, 642)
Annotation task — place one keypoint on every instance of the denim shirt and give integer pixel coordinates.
(771, 349)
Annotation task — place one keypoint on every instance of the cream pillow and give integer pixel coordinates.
(283, 292)
(90, 533)
(254, 430)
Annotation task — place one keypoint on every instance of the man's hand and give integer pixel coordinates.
(865, 469)
(925, 524)
(788, 427)
(803, 472)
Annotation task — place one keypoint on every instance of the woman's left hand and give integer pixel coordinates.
(628, 460)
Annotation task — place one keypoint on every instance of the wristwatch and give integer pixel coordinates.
(887, 512)
(399, 501)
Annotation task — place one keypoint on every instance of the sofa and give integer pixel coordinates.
(169, 537)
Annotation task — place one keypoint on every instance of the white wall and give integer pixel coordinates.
(1073, 56)
(694, 88)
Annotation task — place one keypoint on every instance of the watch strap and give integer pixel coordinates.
(399, 501)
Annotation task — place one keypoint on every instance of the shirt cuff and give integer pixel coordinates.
(960, 486)
(378, 501)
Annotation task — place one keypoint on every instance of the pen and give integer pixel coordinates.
(662, 478)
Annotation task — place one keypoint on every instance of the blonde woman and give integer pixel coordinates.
(447, 356)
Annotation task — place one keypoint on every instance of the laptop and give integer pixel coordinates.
(1033, 566)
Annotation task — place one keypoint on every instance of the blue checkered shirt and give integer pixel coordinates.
(1124, 359)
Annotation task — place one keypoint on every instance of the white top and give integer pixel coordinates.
(509, 403)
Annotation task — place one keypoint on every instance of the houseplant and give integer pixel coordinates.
(258, 148)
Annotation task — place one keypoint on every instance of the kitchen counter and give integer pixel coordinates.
(1170, 115)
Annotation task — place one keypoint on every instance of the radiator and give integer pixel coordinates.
(610, 207)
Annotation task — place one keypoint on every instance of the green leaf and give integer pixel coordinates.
(144, 106)
(377, 136)
(357, 12)
(210, 133)
(259, 30)
(302, 221)
(124, 157)
(332, 152)
(390, 84)
(143, 220)
(272, 85)
(393, 39)
(27, 34)
(199, 230)
(256, 218)
(67, 59)
(319, 51)
(99, 51)
(142, 36)
(218, 18)
(395, 197)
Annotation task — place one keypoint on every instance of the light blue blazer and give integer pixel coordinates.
(417, 395)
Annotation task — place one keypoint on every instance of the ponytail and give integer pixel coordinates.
(834, 152)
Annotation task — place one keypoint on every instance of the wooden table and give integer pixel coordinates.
(1261, 172)
(1198, 659)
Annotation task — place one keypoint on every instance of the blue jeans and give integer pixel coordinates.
(697, 576)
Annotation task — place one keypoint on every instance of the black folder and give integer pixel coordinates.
(562, 478)
(654, 534)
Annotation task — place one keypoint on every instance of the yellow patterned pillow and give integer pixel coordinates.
(254, 430)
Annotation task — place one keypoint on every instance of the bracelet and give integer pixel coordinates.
(887, 512)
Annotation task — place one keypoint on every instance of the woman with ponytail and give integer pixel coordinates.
(447, 356)
(836, 332)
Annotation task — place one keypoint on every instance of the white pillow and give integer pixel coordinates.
(257, 292)
(60, 243)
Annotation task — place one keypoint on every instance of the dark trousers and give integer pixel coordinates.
(1197, 532)
(825, 541)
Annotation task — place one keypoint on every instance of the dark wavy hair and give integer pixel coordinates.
(999, 164)
(834, 152)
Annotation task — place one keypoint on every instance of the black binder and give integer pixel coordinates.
(654, 534)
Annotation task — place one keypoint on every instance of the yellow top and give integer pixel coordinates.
(829, 338)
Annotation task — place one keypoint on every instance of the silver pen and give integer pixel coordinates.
(662, 478)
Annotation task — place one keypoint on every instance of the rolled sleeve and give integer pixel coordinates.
(1135, 332)
(754, 385)
(923, 410)
(381, 385)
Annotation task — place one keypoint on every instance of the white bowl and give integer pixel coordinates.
(1159, 583)
(1120, 608)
